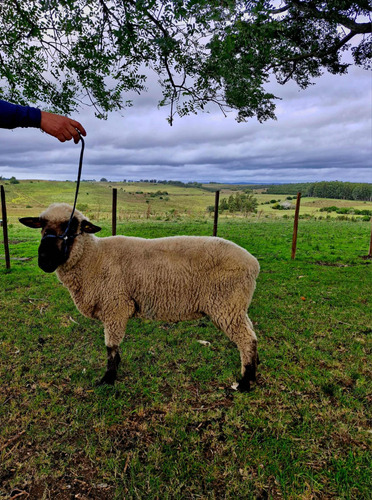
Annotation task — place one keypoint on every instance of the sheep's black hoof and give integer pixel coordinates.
(112, 361)
(243, 386)
(244, 389)
(248, 377)
(112, 367)
(108, 378)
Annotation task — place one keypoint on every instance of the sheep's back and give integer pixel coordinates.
(200, 254)
(176, 278)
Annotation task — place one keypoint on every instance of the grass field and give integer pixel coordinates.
(143, 201)
(172, 428)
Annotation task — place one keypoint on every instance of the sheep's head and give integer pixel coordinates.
(55, 250)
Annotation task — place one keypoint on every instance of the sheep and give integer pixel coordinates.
(171, 279)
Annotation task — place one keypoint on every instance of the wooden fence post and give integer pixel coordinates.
(114, 206)
(5, 228)
(295, 226)
(216, 203)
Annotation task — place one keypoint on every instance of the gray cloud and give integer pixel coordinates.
(322, 133)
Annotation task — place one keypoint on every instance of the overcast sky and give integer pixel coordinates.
(322, 133)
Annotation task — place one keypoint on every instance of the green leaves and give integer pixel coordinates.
(69, 52)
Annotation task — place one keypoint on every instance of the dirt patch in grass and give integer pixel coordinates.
(16, 242)
(79, 479)
(331, 264)
(65, 489)
(137, 431)
(366, 257)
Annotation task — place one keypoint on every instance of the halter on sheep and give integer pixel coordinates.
(65, 237)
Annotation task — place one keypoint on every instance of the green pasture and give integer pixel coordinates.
(172, 427)
(134, 200)
(143, 200)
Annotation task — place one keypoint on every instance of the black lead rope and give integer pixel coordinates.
(65, 236)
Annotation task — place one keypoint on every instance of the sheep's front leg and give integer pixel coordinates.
(113, 360)
(114, 332)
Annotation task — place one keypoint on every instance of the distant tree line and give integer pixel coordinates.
(170, 183)
(183, 184)
(12, 180)
(334, 189)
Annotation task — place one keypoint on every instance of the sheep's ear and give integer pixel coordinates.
(88, 227)
(33, 222)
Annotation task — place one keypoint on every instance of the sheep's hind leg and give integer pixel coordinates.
(113, 360)
(248, 372)
(245, 338)
(240, 331)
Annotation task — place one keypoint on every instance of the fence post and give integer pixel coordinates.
(114, 206)
(216, 203)
(5, 228)
(295, 226)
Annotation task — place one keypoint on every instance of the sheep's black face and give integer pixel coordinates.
(55, 250)
(50, 257)
(51, 253)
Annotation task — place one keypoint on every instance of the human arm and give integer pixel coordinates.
(61, 127)
(15, 115)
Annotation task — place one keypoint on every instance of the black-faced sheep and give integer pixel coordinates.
(172, 279)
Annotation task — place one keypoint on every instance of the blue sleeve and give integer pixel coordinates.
(14, 115)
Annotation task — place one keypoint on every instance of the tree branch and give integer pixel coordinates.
(314, 53)
(279, 10)
(357, 28)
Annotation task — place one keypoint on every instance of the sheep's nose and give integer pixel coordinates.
(49, 258)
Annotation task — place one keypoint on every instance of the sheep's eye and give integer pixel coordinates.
(50, 232)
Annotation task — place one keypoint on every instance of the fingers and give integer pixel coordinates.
(79, 127)
(61, 127)
(71, 132)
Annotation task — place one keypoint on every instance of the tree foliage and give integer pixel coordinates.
(65, 52)
(333, 189)
(240, 202)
